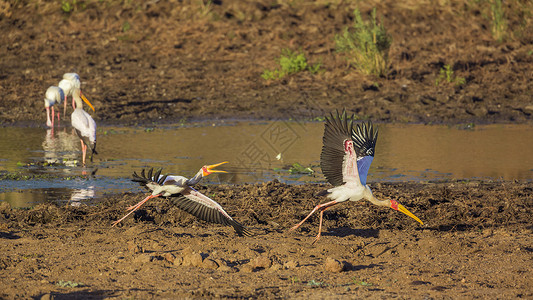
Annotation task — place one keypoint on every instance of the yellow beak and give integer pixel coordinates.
(87, 101)
(206, 170)
(405, 211)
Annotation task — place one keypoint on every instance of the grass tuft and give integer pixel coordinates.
(366, 44)
(290, 62)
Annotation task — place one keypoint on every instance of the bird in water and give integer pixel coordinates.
(69, 84)
(184, 196)
(347, 152)
(53, 95)
(84, 124)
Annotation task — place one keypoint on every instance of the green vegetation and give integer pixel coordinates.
(446, 74)
(290, 63)
(366, 45)
(314, 283)
(361, 283)
(68, 6)
(499, 22)
(296, 168)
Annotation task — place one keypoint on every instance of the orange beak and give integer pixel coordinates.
(206, 170)
(397, 206)
(87, 101)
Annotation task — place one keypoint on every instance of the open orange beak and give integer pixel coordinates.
(87, 101)
(397, 206)
(206, 170)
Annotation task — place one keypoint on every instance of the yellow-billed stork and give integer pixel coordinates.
(53, 95)
(185, 197)
(84, 124)
(70, 83)
(347, 152)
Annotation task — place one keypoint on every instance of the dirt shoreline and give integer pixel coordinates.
(476, 242)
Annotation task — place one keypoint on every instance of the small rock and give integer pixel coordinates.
(291, 264)
(142, 258)
(247, 268)
(261, 262)
(275, 267)
(193, 259)
(169, 257)
(133, 248)
(210, 264)
(178, 261)
(46, 297)
(226, 268)
(333, 265)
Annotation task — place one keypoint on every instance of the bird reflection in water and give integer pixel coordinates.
(79, 195)
(60, 147)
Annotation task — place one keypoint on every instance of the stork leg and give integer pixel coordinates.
(49, 122)
(65, 106)
(322, 208)
(83, 151)
(135, 207)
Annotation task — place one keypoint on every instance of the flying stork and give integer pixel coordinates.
(185, 197)
(347, 152)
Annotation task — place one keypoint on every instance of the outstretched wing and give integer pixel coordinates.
(364, 136)
(332, 159)
(205, 208)
(143, 179)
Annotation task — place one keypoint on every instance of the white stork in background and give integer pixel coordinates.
(70, 83)
(84, 125)
(53, 95)
(347, 152)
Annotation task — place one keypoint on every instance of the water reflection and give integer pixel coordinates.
(80, 195)
(60, 147)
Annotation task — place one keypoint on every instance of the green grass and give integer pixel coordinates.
(290, 63)
(68, 6)
(446, 75)
(499, 22)
(366, 45)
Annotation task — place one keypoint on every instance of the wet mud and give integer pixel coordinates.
(476, 242)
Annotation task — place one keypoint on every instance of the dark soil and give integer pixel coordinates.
(476, 243)
(173, 60)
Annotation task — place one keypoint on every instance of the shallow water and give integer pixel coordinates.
(256, 151)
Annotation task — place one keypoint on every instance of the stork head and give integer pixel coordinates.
(78, 96)
(206, 170)
(397, 206)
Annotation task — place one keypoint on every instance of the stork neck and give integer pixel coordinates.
(77, 98)
(370, 197)
(194, 180)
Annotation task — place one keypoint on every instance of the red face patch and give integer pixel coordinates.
(394, 204)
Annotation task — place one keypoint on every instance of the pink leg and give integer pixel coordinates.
(48, 121)
(320, 207)
(83, 151)
(53, 116)
(65, 106)
(135, 207)
(319, 227)
(73, 103)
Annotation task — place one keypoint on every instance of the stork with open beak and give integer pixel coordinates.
(70, 83)
(347, 152)
(84, 124)
(185, 196)
(53, 95)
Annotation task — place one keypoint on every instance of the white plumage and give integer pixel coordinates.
(53, 95)
(70, 83)
(85, 125)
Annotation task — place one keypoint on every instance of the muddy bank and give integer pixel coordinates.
(186, 60)
(476, 242)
